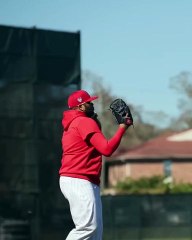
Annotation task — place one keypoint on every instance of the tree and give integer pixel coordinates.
(182, 83)
(135, 135)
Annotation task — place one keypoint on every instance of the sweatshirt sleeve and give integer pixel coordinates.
(104, 146)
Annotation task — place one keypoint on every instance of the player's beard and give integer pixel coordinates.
(92, 114)
(90, 110)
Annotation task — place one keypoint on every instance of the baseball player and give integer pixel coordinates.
(83, 145)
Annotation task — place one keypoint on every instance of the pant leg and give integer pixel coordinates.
(85, 206)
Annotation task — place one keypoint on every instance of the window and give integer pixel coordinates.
(167, 168)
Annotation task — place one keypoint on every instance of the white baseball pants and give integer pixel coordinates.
(85, 206)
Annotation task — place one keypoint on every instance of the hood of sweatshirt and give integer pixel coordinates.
(69, 116)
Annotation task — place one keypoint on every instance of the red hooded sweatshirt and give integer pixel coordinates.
(83, 145)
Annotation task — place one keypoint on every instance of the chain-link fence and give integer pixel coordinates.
(142, 217)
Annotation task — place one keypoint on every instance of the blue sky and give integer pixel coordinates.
(136, 46)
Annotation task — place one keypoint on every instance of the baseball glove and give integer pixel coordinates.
(121, 111)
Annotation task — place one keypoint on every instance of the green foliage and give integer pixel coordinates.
(151, 185)
(182, 188)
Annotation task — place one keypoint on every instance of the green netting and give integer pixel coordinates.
(38, 71)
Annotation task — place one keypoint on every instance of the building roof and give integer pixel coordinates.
(165, 146)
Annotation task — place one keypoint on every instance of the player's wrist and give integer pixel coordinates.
(123, 125)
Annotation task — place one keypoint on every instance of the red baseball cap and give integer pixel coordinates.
(79, 97)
